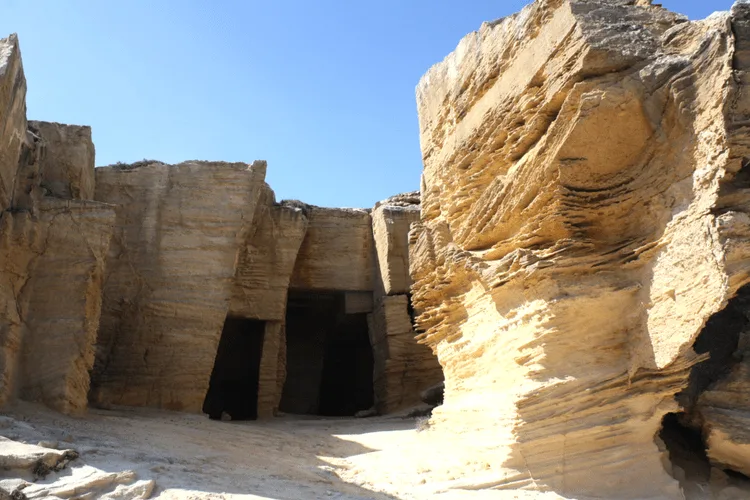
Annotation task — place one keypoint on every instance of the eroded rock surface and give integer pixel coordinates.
(403, 368)
(336, 253)
(267, 261)
(30, 471)
(391, 222)
(13, 119)
(53, 241)
(169, 277)
(584, 213)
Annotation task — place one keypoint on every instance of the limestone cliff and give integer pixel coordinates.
(169, 277)
(171, 286)
(53, 241)
(403, 368)
(260, 289)
(336, 253)
(584, 214)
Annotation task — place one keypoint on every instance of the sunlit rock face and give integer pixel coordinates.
(169, 277)
(584, 213)
(403, 368)
(169, 286)
(53, 242)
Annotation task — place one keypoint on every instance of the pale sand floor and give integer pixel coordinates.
(288, 458)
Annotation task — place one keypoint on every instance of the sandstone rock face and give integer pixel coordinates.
(267, 261)
(67, 160)
(18, 235)
(63, 301)
(272, 373)
(584, 213)
(190, 253)
(12, 228)
(120, 285)
(53, 241)
(403, 368)
(169, 277)
(391, 222)
(260, 289)
(337, 251)
(13, 119)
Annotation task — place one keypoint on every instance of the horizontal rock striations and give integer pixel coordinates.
(403, 369)
(584, 214)
(336, 253)
(53, 242)
(169, 277)
(175, 286)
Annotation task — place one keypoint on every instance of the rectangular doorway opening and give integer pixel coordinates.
(233, 388)
(329, 357)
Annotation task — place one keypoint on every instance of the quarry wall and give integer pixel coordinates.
(118, 284)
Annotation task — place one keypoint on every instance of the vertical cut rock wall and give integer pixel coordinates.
(260, 288)
(403, 368)
(337, 251)
(115, 283)
(53, 241)
(169, 277)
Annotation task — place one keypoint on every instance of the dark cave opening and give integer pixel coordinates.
(685, 445)
(720, 339)
(233, 388)
(723, 339)
(329, 357)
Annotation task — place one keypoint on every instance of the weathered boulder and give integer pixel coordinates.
(433, 396)
(584, 213)
(36, 461)
(169, 277)
(25, 466)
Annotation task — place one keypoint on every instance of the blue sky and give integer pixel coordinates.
(323, 90)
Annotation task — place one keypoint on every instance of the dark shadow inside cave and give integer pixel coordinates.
(329, 357)
(233, 388)
(722, 339)
(685, 446)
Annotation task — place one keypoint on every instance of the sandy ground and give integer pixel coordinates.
(289, 458)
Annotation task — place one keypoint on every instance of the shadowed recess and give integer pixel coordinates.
(234, 381)
(329, 357)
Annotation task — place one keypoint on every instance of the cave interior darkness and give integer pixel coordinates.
(329, 357)
(233, 388)
(722, 338)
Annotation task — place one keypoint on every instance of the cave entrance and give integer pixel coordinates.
(329, 357)
(685, 445)
(233, 388)
(724, 338)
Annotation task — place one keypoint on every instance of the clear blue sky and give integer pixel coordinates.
(322, 89)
